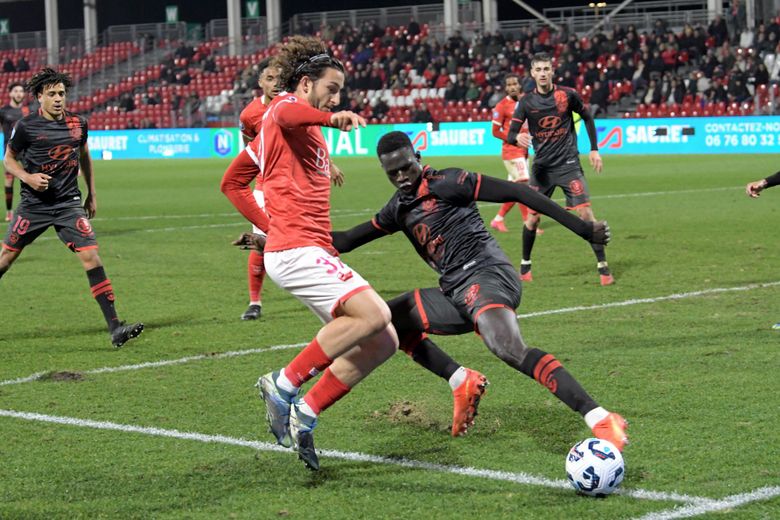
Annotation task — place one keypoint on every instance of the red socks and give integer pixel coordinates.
(310, 362)
(255, 275)
(325, 392)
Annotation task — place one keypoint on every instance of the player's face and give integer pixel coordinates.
(512, 86)
(52, 100)
(325, 93)
(269, 82)
(403, 168)
(17, 94)
(541, 71)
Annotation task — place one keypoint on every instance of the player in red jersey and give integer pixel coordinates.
(246, 168)
(515, 157)
(9, 115)
(54, 144)
(299, 254)
(251, 120)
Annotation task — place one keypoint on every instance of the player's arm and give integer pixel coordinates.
(518, 118)
(497, 190)
(753, 189)
(236, 187)
(85, 163)
(362, 234)
(590, 126)
(17, 143)
(292, 115)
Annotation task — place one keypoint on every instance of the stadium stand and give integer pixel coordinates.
(407, 67)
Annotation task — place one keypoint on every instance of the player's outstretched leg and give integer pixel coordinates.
(9, 196)
(501, 333)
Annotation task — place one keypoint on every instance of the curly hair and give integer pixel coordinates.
(303, 56)
(45, 78)
(13, 85)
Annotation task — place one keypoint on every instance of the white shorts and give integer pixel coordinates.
(318, 279)
(260, 202)
(517, 169)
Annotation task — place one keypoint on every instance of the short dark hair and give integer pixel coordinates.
(511, 75)
(541, 56)
(14, 84)
(45, 78)
(393, 141)
(264, 64)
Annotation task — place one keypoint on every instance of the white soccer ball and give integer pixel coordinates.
(595, 467)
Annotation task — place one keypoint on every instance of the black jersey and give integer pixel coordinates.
(53, 148)
(551, 124)
(8, 117)
(443, 223)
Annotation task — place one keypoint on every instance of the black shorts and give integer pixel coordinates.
(569, 177)
(69, 220)
(456, 311)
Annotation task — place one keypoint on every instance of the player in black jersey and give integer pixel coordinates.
(754, 189)
(478, 287)
(54, 143)
(9, 115)
(548, 110)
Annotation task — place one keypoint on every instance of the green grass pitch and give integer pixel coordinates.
(681, 345)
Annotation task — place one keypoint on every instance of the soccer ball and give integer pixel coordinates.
(595, 467)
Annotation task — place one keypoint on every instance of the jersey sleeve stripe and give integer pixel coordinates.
(380, 228)
(479, 183)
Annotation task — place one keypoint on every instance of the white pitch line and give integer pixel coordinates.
(161, 363)
(625, 303)
(153, 364)
(517, 478)
(764, 493)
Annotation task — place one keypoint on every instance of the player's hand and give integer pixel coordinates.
(336, 175)
(601, 233)
(346, 120)
(595, 160)
(38, 181)
(524, 140)
(90, 206)
(250, 241)
(754, 189)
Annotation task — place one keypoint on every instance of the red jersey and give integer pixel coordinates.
(251, 118)
(295, 165)
(502, 117)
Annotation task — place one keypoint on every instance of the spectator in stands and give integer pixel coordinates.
(450, 92)
(599, 99)
(380, 109)
(422, 115)
(567, 80)
(413, 28)
(184, 51)
(591, 74)
(126, 102)
(183, 78)
(375, 79)
(737, 90)
(473, 92)
(717, 92)
(762, 75)
(675, 92)
(736, 18)
(655, 66)
(443, 79)
(654, 93)
(486, 97)
(718, 30)
(210, 65)
(8, 65)
(22, 65)
(692, 84)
